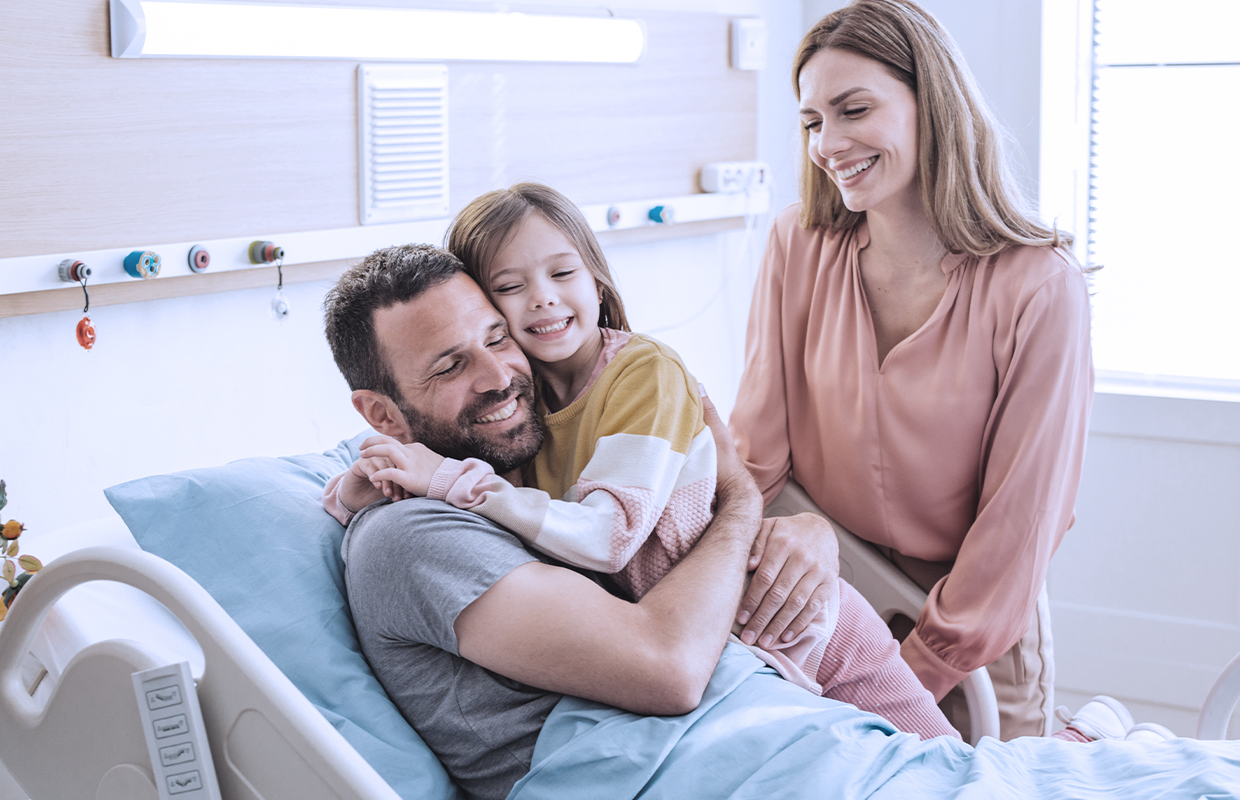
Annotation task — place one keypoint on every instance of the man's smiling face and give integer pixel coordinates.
(466, 388)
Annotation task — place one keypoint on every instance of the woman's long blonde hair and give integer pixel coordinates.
(966, 187)
(484, 226)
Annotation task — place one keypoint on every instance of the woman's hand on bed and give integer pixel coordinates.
(409, 466)
(795, 564)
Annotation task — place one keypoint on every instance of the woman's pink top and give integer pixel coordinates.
(965, 444)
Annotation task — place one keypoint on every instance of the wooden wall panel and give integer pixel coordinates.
(97, 152)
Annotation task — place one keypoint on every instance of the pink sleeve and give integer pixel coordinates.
(462, 483)
(332, 503)
(1033, 449)
(759, 421)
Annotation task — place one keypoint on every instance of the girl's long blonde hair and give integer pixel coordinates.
(489, 221)
(966, 186)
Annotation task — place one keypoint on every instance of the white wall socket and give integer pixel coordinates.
(735, 176)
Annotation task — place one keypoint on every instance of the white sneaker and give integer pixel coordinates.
(1148, 732)
(1102, 717)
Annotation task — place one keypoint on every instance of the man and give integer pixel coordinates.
(474, 637)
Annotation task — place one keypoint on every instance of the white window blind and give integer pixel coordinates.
(1164, 188)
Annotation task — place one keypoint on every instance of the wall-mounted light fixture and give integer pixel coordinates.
(158, 29)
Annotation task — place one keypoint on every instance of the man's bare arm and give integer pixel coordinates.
(557, 630)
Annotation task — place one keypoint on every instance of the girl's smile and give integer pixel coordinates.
(549, 328)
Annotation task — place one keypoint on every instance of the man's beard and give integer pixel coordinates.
(460, 438)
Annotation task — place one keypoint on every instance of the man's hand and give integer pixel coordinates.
(796, 563)
(733, 484)
(409, 467)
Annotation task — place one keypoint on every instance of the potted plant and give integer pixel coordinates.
(10, 532)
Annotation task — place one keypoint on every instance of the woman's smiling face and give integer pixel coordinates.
(862, 124)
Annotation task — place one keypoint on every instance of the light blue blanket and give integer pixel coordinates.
(757, 736)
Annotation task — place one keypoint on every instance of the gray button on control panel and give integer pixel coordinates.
(184, 782)
(170, 726)
(176, 754)
(162, 698)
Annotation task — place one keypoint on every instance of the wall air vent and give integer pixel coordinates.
(403, 140)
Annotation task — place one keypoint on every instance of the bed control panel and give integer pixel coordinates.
(175, 734)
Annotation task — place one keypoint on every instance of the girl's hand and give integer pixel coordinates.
(356, 489)
(364, 468)
(795, 564)
(409, 466)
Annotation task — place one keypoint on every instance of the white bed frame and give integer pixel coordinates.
(74, 732)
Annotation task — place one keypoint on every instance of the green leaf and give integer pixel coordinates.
(9, 572)
(4, 500)
(13, 547)
(30, 563)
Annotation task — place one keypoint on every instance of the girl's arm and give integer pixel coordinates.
(652, 470)
(332, 502)
(352, 490)
(358, 486)
(1030, 471)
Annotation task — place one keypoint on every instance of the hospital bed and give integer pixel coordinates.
(254, 604)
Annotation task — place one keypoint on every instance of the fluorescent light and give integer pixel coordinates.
(159, 29)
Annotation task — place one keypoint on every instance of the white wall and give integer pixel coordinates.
(171, 384)
(1144, 588)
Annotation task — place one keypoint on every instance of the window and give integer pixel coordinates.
(1141, 160)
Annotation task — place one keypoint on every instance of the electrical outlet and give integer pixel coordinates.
(735, 176)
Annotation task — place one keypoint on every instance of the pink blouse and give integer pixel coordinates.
(965, 444)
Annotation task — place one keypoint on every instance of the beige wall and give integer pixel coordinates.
(100, 152)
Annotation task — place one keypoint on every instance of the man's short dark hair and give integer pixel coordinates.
(383, 279)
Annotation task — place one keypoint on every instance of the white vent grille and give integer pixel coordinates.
(403, 121)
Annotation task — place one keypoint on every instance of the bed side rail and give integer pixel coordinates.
(267, 740)
(1220, 703)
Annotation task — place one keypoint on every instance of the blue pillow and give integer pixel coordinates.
(255, 535)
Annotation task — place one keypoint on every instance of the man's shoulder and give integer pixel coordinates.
(413, 565)
(420, 515)
(427, 527)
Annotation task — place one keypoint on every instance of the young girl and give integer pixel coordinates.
(626, 474)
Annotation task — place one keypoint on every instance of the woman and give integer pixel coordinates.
(918, 351)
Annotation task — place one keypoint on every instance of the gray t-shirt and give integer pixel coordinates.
(410, 568)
